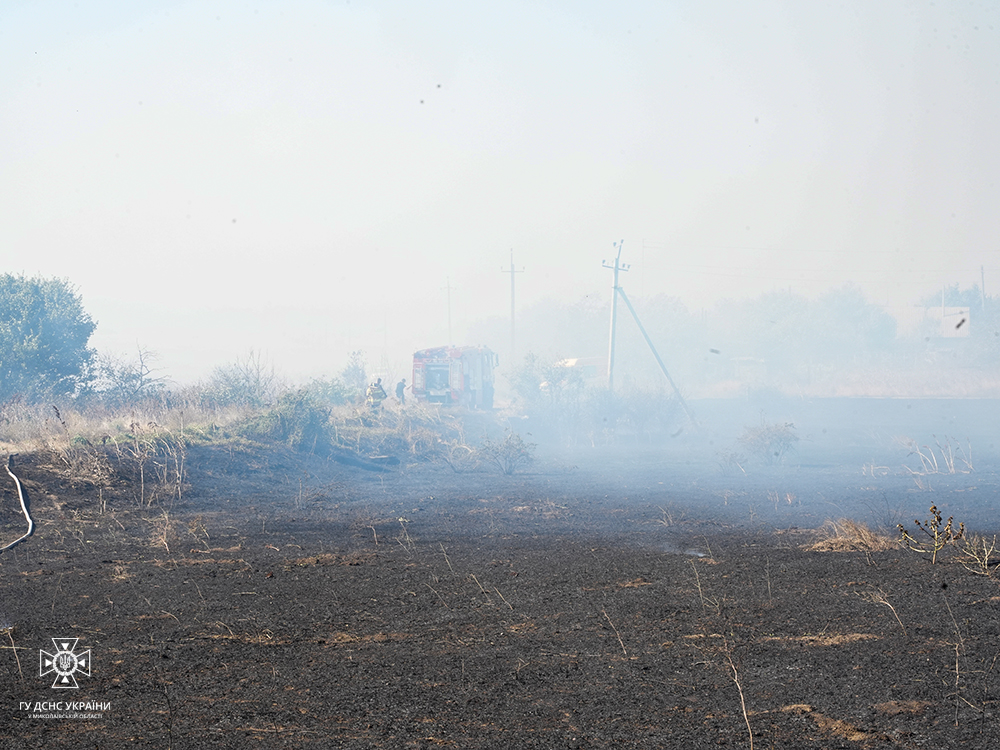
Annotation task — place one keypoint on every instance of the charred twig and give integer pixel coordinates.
(503, 599)
(443, 552)
(878, 596)
(735, 676)
(487, 593)
(12, 647)
(978, 555)
(620, 641)
(438, 595)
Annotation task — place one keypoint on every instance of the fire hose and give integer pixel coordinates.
(24, 509)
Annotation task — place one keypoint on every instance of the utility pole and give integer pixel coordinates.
(656, 355)
(614, 312)
(617, 291)
(512, 271)
(448, 287)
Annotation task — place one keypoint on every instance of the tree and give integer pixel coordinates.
(354, 375)
(44, 332)
(790, 331)
(848, 328)
(249, 382)
(123, 382)
(954, 296)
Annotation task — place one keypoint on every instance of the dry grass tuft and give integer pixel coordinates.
(328, 558)
(895, 708)
(846, 535)
(824, 640)
(837, 727)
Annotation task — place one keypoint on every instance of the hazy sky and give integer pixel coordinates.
(306, 178)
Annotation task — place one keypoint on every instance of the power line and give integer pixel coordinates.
(824, 274)
(512, 271)
(771, 249)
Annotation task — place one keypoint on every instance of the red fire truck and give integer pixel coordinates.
(455, 375)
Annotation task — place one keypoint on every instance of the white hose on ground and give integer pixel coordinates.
(24, 509)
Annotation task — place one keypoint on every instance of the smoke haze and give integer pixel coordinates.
(309, 179)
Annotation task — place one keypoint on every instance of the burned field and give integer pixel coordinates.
(668, 599)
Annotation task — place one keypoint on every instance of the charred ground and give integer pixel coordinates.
(635, 596)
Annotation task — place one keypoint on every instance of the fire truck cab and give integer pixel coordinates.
(455, 375)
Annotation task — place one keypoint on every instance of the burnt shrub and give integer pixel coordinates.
(768, 441)
(507, 455)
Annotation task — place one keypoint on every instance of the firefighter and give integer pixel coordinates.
(375, 394)
(401, 391)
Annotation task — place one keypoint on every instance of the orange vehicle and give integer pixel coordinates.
(455, 375)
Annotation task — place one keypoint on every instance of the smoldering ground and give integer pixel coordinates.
(668, 591)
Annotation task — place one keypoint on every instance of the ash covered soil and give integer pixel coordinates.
(630, 597)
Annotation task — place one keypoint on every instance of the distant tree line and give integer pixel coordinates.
(45, 352)
(45, 355)
(785, 337)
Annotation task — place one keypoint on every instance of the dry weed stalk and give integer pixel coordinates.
(949, 455)
(871, 470)
(731, 459)
(735, 676)
(9, 630)
(731, 661)
(935, 535)
(404, 538)
(959, 646)
(474, 578)
(161, 534)
(445, 553)
(620, 641)
(878, 596)
(196, 527)
(705, 601)
(438, 595)
(670, 516)
(977, 555)
(504, 599)
(775, 497)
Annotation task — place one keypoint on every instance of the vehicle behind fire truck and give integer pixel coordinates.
(455, 375)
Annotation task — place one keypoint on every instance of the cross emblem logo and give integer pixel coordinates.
(65, 662)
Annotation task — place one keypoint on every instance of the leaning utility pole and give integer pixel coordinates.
(616, 291)
(512, 271)
(614, 312)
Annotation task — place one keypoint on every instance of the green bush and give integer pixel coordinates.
(334, 392)
(297, 420)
